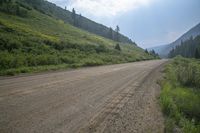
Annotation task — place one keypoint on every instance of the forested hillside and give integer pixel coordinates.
(32, 41)
(164, 50)
(189, 48)
(77, 20)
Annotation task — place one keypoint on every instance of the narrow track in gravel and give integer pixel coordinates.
(114, 98)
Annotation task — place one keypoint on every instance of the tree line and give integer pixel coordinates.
(152, 52)
(112, 34)
(189, 48)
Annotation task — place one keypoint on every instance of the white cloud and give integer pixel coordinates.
(107, 7)
(102, 8)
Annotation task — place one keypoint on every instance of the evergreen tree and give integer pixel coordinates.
(117, 33)
(188, 48)
(17, 10)
(79, 22)
(5, 1)
(153, 52)
(2, 1)
(110, 34)
(74, 16)
(197, 53)
(117, 47)
(146, 51)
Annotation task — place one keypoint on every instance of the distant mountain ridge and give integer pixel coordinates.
(164, 50)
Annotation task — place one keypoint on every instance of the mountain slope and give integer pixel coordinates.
(164, 50)
(84, 23)
(189, 48)
(33, 41)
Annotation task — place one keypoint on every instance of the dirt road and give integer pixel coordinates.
(115, 98)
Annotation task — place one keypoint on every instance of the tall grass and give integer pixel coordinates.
(180, 96)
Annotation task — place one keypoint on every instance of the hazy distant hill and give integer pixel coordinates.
(164, 50)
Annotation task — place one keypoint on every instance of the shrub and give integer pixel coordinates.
(187, 72)
(5, 60)
(47, 60)
(179, 102)
(101, 49)
(67, 59)
(117, 47)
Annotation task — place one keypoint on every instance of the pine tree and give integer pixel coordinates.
(117, 33)
(79, 21)
(146, 51)
(197, 53)
(110, 34)
(74, 16)
(189, 48)
(5, 1)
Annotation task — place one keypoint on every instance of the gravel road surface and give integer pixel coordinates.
(112, 99)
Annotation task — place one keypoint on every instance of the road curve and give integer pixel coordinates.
(114, 98)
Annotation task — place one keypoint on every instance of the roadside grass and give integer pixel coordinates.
(180, 96)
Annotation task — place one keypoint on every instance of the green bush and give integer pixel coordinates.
(180, 96)
(47, 60)
(5, 60)
(68, 59)
(101, 48)
(187, 72)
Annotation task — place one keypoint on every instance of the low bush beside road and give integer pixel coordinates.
(180, 96)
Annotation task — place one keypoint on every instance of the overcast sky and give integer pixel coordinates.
(147, 22)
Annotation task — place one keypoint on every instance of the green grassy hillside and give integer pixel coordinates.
(80, 21)
(37, 42)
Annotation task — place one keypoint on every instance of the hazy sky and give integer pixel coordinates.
(147, 22)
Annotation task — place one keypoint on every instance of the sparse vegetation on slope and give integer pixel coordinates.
(180, 96)
(39, 42)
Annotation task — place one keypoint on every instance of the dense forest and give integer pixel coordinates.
(189, 48)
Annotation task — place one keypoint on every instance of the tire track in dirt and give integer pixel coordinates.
(97, 99)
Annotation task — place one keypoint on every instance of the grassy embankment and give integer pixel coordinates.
(180, 96)
(37, 42)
